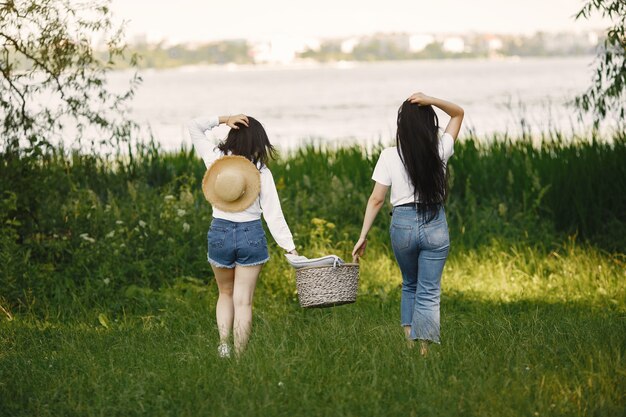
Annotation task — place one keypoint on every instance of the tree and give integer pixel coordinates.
(52, 78)
(605, 96)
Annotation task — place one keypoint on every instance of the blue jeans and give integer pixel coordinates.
(421, 247)
(232, 243)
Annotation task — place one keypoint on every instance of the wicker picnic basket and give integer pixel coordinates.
(327, 286)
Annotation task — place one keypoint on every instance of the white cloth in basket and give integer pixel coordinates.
(298, 261)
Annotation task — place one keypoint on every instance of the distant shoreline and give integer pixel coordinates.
(346, 64)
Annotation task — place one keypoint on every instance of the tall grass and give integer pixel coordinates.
(78, 225)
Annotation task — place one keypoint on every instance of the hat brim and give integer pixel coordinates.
(249, 172)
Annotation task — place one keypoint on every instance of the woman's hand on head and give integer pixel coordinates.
(420, 99)
(232, 120)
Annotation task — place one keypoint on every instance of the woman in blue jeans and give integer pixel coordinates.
(415, 169)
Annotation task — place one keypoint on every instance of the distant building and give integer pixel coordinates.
(281, 50)
(494, 44)
(311, 44)
(418, 43)
(454, 44)
(348, 45)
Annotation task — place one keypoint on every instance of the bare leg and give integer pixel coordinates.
(245, 283)
(224, 311)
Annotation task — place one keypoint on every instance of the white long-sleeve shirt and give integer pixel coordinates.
(267, 203)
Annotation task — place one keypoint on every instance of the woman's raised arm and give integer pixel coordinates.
(203, 146)
(455, 111)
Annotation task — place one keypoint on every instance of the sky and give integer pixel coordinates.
(201, 20)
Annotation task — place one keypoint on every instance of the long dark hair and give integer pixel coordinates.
(250, 142)
(417, 140)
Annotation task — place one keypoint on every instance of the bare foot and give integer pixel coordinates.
(407, 334)
(423, 347)
(407, 331)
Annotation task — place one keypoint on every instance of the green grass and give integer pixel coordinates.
(532, 346)
(107, 299)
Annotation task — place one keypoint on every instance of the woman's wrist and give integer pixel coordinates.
(223, 119)
(429, 100)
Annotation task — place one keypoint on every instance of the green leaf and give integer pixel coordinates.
(102, 318)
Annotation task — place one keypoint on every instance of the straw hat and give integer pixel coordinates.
(231, 183)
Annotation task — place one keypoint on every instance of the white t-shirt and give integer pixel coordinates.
(267, 203)
(390, 171)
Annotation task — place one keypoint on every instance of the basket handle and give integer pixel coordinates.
(336, 262)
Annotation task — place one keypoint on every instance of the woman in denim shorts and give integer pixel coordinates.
(237, 248)
(415, 169)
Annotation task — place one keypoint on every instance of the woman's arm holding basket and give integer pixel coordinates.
(374, 204)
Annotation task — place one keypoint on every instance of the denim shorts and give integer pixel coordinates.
(232, 243)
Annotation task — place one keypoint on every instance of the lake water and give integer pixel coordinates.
(358, 102)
